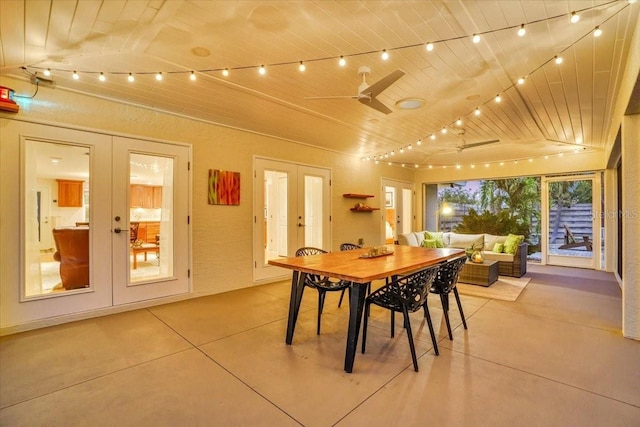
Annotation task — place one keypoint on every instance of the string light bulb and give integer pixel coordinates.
(558, 59)
(476, 38)
(47, 72)
(101, 77)
(385, 55)
(225, 72)
(498, 98)
(574, 17)
(443, 130)
(130, 78)
(477, 111)
(459, 122)
(159, 76)
(429, 47)
(521, 81)
(342, 62)
(302, 67)
(432, 136)
(262, 70)
(419, 142)
(193, 77)
(522, 31)
(597, 32)
(75, 76)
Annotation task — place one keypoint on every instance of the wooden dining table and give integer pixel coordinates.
(360, 271)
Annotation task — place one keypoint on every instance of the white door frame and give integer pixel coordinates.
(592, 262)
(295, 207)
(401, 216)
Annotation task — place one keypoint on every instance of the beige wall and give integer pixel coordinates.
(222, 235)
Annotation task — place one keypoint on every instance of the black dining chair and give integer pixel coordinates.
(348, 247)
(322, 284)
(406, 294)
(445, 282)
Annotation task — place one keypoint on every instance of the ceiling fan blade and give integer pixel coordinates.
(375, 104)
(477, 144)
(382, 84)
(333, 97)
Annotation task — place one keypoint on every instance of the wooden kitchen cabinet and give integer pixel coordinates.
(69, 193)
(145, 196)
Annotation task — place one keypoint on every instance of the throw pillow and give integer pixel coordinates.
(437, 236)
(429, 243)
(498, 248)
(512, 242)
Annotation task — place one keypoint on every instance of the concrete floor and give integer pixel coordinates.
(555, 357)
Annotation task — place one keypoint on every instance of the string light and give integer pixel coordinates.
(429, 47)
(522, 31)
(597, 32)
(262, 70)
(131, 78)
(302, 67)
(385, 55)
(193, 76)
(558, 59)
(225, 72)
(459, 122)
(342, 62)
(498, 98)
(159, 76)
(443, 130)
(101, 77)
(521, 81)
(477, 111)
(47, 72)
(75, 76)
(574, 17)
(476, 38)
(433, 136)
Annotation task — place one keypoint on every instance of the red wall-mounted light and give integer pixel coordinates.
(6, 100)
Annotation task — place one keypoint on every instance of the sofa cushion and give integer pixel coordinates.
(464, 241)
(493, 256)
(429, 243)
(408, 239)
(490, 241)
(512, 242)
(498, 248)
(437, 236)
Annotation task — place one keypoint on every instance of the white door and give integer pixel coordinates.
(89, 266)
(291, 210)
(399, 215)
(155, 264)
(570, 220)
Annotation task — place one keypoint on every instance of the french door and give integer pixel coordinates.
(572, 229)
(399, 213)
(291, 210)
(69, 220)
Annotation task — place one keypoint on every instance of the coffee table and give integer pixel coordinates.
(483, 274)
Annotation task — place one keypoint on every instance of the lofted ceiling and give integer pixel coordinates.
(558, 109)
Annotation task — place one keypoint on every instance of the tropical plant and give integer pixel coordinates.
(500, 223)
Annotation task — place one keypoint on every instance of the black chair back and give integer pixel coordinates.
(349, 246)
(447, 275)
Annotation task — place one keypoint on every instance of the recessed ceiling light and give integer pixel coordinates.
(410, 103)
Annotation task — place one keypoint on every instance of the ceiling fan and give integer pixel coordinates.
(465, 146)
(367, 93)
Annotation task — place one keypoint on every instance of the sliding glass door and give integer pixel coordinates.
(571, 220)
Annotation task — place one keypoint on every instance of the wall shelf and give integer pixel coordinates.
(359, 208)
(357, 196)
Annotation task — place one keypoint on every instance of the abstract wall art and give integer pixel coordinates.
(224, 187)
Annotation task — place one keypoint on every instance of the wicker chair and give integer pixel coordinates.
(406, 295)
(445, 282)
(321, 283)
(349, 247)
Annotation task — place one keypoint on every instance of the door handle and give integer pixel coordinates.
(117, 230)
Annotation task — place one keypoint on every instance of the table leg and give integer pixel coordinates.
(297, 287)
(356, 305)
(135, 259)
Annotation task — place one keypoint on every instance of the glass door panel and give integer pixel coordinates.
(398, 209)
(571, 233)
(56, 229)
(151, 217)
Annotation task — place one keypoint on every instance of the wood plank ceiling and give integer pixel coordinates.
(558, 108)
